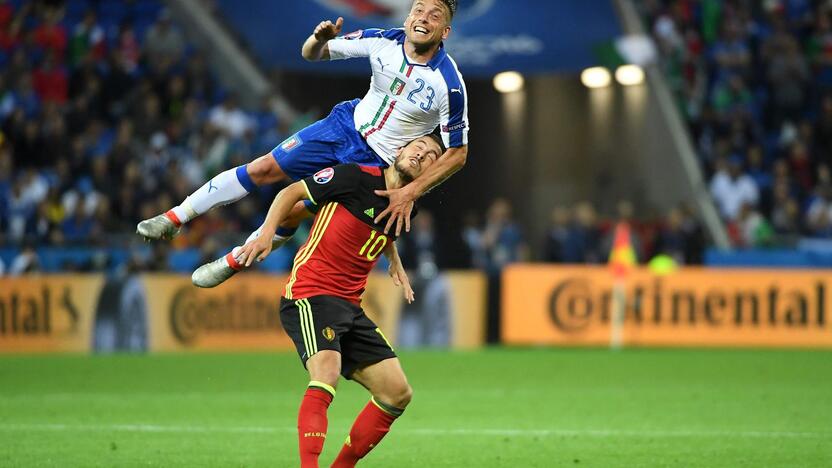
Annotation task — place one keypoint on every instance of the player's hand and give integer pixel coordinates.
(257, 249)
(326, 31)
(399, 209)
(400, 278)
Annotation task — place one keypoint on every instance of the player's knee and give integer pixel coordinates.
(401, 395)
(264, 170)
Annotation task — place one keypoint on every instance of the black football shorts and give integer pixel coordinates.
(322, 323)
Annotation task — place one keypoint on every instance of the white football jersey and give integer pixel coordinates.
(406, 100)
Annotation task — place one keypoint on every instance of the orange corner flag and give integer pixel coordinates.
(622, 255)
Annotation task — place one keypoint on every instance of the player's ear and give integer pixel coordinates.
(446, 32)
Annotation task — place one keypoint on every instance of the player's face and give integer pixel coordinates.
(417, 156)
(428, 23)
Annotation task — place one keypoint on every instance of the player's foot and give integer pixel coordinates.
(215, 273)
(158, 227)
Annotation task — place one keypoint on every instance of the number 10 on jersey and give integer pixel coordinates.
(372, 249)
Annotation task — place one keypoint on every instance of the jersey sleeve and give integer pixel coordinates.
(361, 43)
(454, 112)
(332, 184)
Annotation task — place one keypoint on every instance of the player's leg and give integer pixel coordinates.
(368, 358)
(391, 394)
(215, 273)
(312, 325)
(308, 151)
(324, 369)
(227, 187)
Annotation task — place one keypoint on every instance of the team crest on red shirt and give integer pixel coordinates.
(324, 175)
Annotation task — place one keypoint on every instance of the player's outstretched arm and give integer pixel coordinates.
(315, 48)
(401, 200)
(398, 273)
(259, 248)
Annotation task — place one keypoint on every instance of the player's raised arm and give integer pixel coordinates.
(282, 205)
(315, 48)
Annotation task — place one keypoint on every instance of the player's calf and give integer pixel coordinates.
(324, 368)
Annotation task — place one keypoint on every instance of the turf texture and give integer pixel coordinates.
(492, 408)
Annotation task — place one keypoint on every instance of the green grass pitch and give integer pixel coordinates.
(493, 408)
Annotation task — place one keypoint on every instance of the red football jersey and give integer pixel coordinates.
(344, 243)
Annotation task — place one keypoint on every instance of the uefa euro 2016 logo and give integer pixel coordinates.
(394, 11)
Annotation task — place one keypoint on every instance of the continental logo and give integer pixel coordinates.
(576, 304)
(45, 311)
(194, 313)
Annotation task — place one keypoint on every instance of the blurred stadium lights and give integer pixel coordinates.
(509, 82)
(629, 75)
(596, 77)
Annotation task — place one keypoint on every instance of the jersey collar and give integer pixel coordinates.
(433, 63)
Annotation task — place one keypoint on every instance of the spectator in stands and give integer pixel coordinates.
(26, 261)
(788, 79)
(754, 229)
(87, 40)
(229, 118)
(164, 44)
(672, 238)
(819, 214)
(583, 243)
(731, 53)
(731, 188)
(50, 81)
(427, 321)
(502, 239)
(472, 238)
(785, 212)
(557, 235)
(51, 36)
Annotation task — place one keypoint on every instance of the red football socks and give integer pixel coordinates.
(173, 218)
(371, 425)
(312, 422)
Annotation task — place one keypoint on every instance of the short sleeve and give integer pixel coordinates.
(454, 110)
(361, 43)
(332, 183)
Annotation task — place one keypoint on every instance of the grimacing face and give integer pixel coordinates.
(428, 23)
(417, 156)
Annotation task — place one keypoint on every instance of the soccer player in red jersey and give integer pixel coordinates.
(321, 307)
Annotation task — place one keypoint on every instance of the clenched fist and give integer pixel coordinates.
(326, 31)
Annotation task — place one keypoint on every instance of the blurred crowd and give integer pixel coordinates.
(754, 79)
(109, 116)
(580, 235)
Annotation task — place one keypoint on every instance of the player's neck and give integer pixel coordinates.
(393, 178)
(420, 55)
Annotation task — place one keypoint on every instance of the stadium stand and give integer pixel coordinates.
(108, 115)
(754, 80)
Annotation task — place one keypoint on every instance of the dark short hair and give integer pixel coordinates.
(451, 4)
(438, 140)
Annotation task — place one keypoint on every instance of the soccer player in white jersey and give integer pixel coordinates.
(415, 88)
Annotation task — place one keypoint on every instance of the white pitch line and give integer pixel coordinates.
(495, 432)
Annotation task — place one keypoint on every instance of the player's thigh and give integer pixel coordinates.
(308, 151)
(265, 170)
(314, 325)
(386, 381)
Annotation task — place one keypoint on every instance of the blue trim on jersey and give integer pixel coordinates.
(245, 179)
(434, 63)
(396, 34)
(456, 103)
(370, 33)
